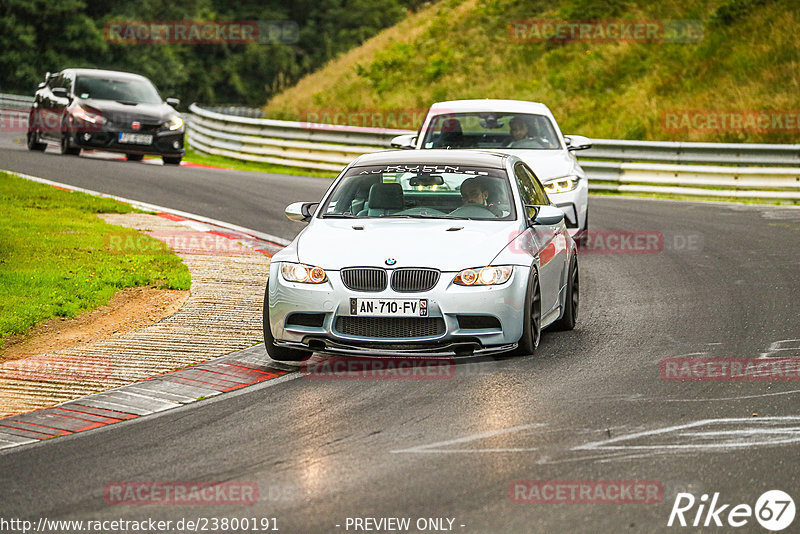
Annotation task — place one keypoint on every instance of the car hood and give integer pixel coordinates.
(123, 113)
(547, 164)
(334, 244)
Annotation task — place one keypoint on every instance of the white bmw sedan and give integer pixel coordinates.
(527, 130)
(438, 252)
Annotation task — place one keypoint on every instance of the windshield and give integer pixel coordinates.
(491, 130)
(128, 90)
(423, 191)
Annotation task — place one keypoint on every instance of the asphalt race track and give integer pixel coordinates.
(591, 405)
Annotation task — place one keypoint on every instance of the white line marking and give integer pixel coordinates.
(430, 448)
(153, 207)
(792, 432)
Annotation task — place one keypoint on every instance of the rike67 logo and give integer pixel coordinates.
(774, 510)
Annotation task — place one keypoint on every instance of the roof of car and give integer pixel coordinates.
(101, 72)
(489, 104)
(470, 158)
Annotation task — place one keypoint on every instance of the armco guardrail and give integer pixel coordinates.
(612, 165)
(295, 144)
(14, 108)
(15, 101)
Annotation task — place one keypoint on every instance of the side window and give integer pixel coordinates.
(54, 81)
(66, 82)
(541, 197)
(525, 185)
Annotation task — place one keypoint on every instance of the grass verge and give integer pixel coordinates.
(698, 198)
(55, 260)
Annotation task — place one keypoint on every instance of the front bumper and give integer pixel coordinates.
(164, 142)
(447, 302)
(574, 204)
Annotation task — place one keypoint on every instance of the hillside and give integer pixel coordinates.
(745, 61)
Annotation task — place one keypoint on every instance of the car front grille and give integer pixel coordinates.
(364, 278)
(390, 327)
(409, 280)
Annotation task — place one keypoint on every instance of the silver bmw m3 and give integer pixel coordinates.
(429, 253)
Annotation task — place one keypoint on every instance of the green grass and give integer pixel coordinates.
(253, 166)
(747, 60)
(55, 257)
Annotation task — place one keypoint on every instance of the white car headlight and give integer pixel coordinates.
(306, 274)
(561, 185)
(174, 123)
(88, 116)
(484, 276)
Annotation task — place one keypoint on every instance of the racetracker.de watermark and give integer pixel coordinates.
(354, 368)
(615, 242)
(167, 493)
(204, 243)
(345, 119)
(137, 32)
(606, 31)
(57, 367)
(710, 120)
(586, 491)
(715, 369)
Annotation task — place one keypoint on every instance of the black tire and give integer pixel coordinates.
(34, 143)
(581, 237)
(134, 157)
(572, 301)
(532, 327)
(172, 160)
(66, 146)
(279, 354)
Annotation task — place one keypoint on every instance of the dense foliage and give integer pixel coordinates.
(37, 36)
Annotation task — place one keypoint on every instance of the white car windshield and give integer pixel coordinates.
(491, 130)
(421, 191)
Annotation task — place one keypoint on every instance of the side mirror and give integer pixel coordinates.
(545, 215)
(60, 92)
(577, 142)
(405, 141)
(301, 211)
(174, 102)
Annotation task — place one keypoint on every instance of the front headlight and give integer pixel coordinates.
(562, 185)
(174, 123)
(88, 116)
(306, 274)
(484, 276)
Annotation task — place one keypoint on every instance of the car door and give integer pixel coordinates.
(51, 107)
(548, 240)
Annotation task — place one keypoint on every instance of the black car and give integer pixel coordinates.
(105, 110)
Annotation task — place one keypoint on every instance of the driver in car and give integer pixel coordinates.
(475, 191)
(521, 134)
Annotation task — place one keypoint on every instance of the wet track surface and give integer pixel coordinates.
(591, 404)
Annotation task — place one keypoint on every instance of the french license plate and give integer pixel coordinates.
(136, 139)
(389, 307)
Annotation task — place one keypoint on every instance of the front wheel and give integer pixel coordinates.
(532, 326)
(572, 299)
(66, 146)
(279, 354)
(134, 157)
(170, 160)
(34, 142)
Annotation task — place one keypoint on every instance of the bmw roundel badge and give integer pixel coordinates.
(390, 261)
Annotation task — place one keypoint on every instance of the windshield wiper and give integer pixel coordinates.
(339, 216)
(128, 102)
